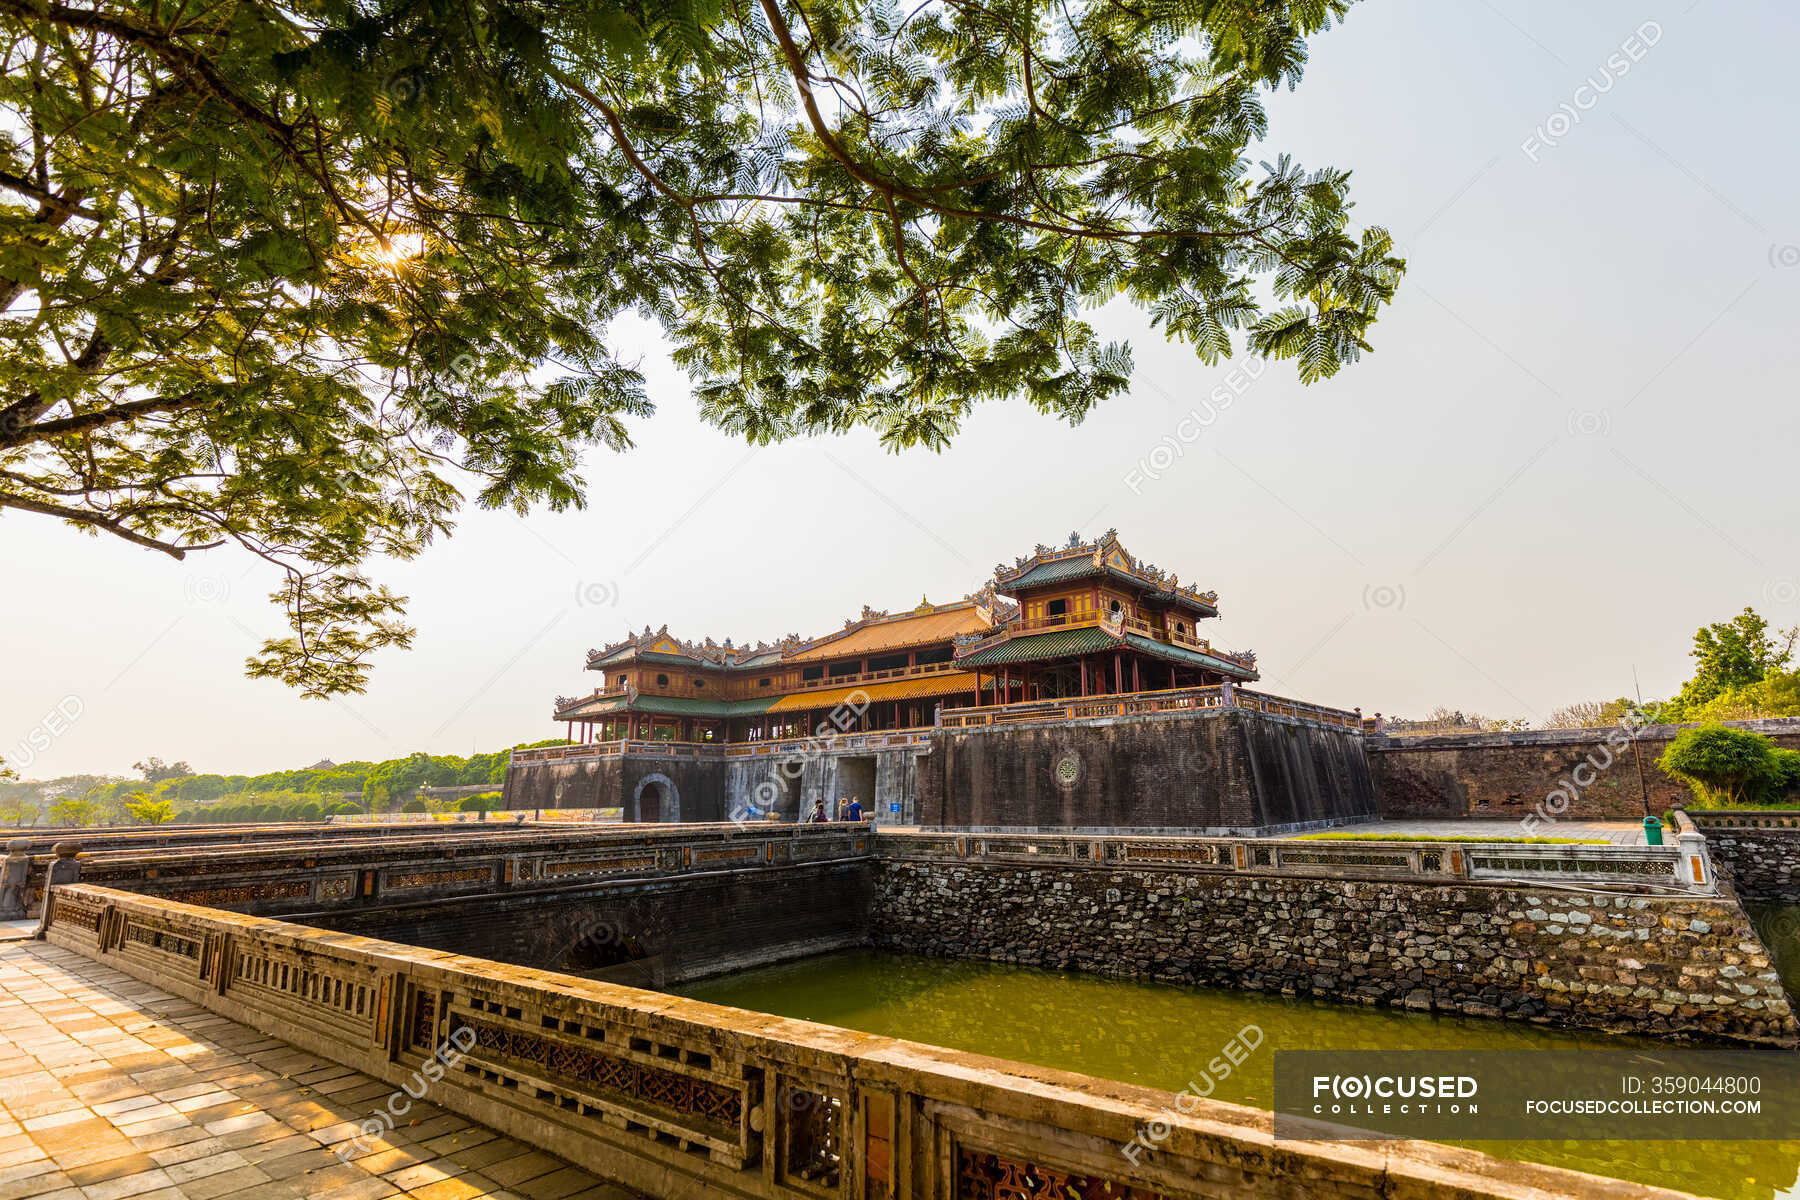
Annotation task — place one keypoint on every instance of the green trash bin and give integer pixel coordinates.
(1653, 831)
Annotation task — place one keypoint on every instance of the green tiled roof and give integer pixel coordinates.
(668, 706)
(1081, 568)
(1183, 654)
(1061, 643)
(1058, 643)
(1054, 572)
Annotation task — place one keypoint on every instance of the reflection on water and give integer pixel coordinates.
(1163, 1036)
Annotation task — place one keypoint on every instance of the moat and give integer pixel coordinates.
(1162, 1036)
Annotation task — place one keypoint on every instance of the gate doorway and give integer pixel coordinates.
(855, 777)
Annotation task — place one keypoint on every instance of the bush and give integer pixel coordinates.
(1731, 767)
(480, 802)
(414, 806)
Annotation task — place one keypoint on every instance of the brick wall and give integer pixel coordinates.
(613, 782)
(1510, 774)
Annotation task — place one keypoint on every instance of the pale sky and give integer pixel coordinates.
(1574, 443)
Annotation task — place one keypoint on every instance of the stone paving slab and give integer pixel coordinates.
(1619, 833)
(111, 1089)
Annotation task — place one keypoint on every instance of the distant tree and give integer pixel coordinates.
(150, 811)
(72, 812)
(14, 809)
(1501, 724)
(481, 802)
(1730, 767)
(415, 806)
(156, 770)
(1583, 714)
(1775, 695)
(1733, 654)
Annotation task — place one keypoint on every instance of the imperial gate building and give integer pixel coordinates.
(1075, 689)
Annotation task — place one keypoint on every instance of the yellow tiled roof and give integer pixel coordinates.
(944, 684)
(897, 632)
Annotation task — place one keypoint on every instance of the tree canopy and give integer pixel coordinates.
(296, 276)
(1732, 656)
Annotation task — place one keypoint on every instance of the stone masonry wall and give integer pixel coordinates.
(1763, 864)
(1677, 966)
(613, 782)
(1510, 774)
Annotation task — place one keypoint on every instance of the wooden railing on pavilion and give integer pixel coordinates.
(912, 672)
(1137, 703)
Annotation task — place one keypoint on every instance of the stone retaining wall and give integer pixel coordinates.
(649, 933)
(1647, 964)
(1758, 848)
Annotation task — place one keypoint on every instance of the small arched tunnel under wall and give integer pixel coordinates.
(655, 799)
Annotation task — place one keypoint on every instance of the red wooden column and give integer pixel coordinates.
(1083, 661)
(1137, 682)
(1118, 673)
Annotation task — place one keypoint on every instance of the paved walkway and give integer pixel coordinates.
(112, 1088)
(1619, 833)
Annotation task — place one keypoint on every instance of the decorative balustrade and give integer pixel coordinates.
(873, 739)
(1741, 818)
(671, 749)
(293, 878)
(679, 1097)
(1681, 867)
(1136, 703)
(877, 740)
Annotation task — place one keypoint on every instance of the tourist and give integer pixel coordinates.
(818, 814)
(852, 810)
(842, 808)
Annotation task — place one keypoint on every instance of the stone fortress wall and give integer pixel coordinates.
(1209, 769)
(1508, 775)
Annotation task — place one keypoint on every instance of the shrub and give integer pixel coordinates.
(1731, 767)
(414, 806)
(480, 802)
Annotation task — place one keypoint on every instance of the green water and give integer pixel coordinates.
(1162, 1036)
